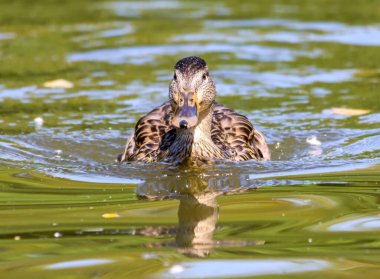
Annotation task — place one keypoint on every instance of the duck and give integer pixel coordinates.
(192, 126)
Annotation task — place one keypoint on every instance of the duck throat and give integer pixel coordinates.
(181, 148)
(194, 143)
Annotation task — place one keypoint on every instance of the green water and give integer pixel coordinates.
(67, 210)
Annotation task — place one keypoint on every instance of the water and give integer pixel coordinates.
(291, 66)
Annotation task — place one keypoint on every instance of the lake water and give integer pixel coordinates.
(306, 73)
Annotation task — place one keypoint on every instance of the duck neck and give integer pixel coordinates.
(203, 147)
(202, 132)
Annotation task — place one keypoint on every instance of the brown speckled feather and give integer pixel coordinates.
(152, 131)
(231, 132)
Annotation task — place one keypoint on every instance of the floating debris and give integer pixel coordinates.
(313, 140)
(17, 237)
(57, 235)
(58, 153)
(176, 269)
(38, 122)
(348, 111)
(58, 83)
(110, 215)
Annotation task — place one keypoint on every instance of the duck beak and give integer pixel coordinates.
(186, 115)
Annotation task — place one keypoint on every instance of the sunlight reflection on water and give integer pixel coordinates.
(148, 54)
(243, 268)
(78, 263)
(333, 32)
(360, 224)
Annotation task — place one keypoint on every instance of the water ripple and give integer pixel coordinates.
(369, 223)
(78, 263)
(148, 54)
(243, 268)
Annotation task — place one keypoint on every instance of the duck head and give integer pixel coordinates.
(191, 92)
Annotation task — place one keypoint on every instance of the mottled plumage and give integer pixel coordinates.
(191, 125)
(235, 133)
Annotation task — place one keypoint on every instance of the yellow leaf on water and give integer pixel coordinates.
(110, 215)
(349, 112)
(58, 83)
(369, 72)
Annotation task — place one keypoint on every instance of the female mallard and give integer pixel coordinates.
(191, 125)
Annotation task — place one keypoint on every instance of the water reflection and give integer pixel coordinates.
(198, 210)
(243, 268)
(351, 223)
(197, 218)
(78, 263)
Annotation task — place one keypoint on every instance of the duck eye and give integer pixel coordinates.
(175, 77)
(204, 76)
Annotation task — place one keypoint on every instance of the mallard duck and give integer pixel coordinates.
(191, 125)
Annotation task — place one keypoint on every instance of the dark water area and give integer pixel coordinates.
(306, 73)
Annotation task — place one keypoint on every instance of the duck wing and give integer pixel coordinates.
(153, 133)
(235, 134)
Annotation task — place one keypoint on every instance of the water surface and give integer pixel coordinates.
(290, 66)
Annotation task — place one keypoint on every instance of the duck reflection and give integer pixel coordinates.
(197, 218)
(198, 210)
